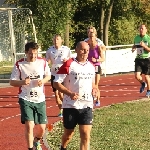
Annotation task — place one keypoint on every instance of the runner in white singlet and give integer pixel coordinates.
(79, 87)
(30, 74)
(56, 55)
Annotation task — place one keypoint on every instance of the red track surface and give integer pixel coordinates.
(114, 89)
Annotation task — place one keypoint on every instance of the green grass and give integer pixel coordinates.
(5, 67)
(118, 127)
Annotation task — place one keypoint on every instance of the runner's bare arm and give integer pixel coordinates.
(48, 58)
(103, 47)
(94, 89)
(19, 83)
(101, 52)
(64, 90)
(45, 80)
(145, 46)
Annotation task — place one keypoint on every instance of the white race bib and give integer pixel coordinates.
(140, 50)
(96, 68)
(34, 92)
(84, 96)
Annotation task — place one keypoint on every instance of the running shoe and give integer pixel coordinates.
(37, 146)
(148, 93)
(143, 85)
(60, 114)
(97, 103)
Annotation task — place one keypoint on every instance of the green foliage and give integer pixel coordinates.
(122, 31)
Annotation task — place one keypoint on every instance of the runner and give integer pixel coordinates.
(78, 76)
(96, 56)
(142, 60)
(29, 78)
(56, 55)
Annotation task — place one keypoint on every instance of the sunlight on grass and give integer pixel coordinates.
(5, 67)
(118, 127)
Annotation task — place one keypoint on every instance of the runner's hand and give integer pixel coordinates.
(74, 96)
(142, 44)
(59, 103)
(93, 59)
(40, 83)
(133, 48)
(27, 80)
(95, 92)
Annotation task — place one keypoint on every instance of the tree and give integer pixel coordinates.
(50, 17)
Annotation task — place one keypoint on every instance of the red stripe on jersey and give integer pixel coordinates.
(17, 65)
(64, 69)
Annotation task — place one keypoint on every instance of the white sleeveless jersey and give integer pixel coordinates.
(56, 56)
(78, 78)
(34, 70)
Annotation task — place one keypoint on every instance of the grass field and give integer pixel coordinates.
(5, 67)
(118, 127)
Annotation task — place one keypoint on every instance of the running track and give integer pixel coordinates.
(114, 89)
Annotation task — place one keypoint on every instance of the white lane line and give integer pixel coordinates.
(119, 90)
(10, 117)
(8, 105)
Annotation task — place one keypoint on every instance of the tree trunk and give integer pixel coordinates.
(67, 26)
(66, 40)
(107, 21)
(101, 23)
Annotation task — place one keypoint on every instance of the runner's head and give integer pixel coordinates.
(82, 50)
(91, 32)
(31, 51)
(57, 41)
(142, 29)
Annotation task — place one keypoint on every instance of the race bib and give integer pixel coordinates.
(96, 68)
(34, 92)
(55, 67)
(140, 50)
(84, 96)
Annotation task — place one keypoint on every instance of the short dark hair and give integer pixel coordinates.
(32, 45)
(57, 35)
